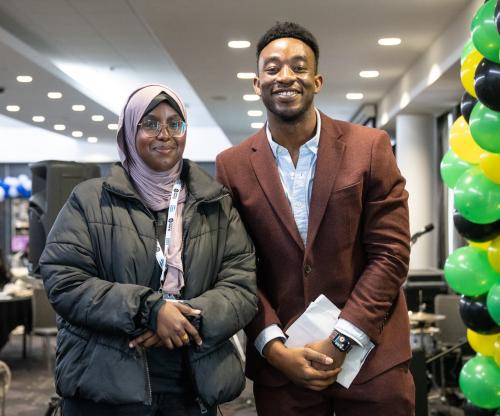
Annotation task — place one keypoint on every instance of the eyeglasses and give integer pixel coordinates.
(175, 128)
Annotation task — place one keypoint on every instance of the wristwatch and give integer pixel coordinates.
(341, 342)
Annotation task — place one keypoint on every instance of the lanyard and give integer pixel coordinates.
(172, 209)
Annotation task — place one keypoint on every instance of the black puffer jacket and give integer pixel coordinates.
(97, 269)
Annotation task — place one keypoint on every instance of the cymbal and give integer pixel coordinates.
(424, 316)
(429, 330)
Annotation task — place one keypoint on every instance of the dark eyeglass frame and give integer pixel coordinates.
(160, 126)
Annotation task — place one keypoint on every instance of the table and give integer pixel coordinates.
(14, 312)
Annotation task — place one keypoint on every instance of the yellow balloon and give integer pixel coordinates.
(483, 344)
(482, 246)
(468, 70)
(494, 254)
(462, 143)
(490, 164)
(496, 346)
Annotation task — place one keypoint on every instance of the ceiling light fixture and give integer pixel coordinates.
(254, 113)
(59, 127)
(369, 74)
(97, 117)
(13, 108)
(239, 44)
(258, 125)
(246, 75)
(76, 133)
(24, 78)
(54, 95)
(389, 41)
(78, 107)
(354, 96)
(38, 119)
(251, 97)
(113, 126)
(92, 139)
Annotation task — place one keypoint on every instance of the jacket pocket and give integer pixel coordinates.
(218, 375)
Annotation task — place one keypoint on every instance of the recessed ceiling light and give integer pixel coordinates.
(113, 126)
(254, 113)
(78, 107)
(369, 74)
(54, 95)
(24, 78)
(251, 97)
(246, 75)
(92, 139)
(354, 96)
(97, 117)
(13, 108)
(238, 44)
(76, 133)
(59, 127)
(256, 125)
(38, 119)
(389, 41)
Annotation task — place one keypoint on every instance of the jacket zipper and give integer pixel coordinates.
(149, 391)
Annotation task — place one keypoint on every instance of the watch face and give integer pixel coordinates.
(342, 343)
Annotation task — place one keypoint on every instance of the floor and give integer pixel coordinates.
(32, 386)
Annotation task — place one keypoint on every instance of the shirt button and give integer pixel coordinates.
(307, 269)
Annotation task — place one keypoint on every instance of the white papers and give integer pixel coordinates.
(316, 324)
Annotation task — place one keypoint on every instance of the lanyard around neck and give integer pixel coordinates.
(161, 257)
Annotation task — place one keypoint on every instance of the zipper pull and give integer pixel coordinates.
(203, 409)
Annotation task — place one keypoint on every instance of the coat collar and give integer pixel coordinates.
(200, 185)
(330, 153)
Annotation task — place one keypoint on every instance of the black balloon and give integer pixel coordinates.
(466, 105)
(475, 315)
(475, 232)
(471, 410)
(487, 84)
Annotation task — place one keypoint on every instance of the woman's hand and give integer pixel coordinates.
(147, 339)
(173, 328)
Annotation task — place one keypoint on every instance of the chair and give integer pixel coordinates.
(44, 322)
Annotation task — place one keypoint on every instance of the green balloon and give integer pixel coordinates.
(484, 32)
(468, 271)
(452, 167)
(493, 302)
(468, 48)
(480, 382)
(476, 197)
(484, 126)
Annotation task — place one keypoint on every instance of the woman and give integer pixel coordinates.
(131, 291)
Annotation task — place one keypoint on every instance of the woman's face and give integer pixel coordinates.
(160, 152)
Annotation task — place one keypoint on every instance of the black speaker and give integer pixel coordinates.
(52, 183)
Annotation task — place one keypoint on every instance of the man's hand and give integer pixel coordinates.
(172, 326)
(326, 347)
(147, 339)
(297, 365)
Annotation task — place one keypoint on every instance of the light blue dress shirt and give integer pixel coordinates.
(297, 183)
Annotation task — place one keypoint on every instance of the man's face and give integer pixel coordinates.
(287, 79)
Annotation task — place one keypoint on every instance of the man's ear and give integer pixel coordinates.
(318, 83)
(256, 86)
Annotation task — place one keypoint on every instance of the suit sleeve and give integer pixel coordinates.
(385, 238)
(266, 315)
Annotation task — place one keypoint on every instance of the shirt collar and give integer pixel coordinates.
(312, 144)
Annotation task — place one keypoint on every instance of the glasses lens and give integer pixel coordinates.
(176, 128)
(151, 126)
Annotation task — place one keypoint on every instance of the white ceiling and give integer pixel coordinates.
(97, 51)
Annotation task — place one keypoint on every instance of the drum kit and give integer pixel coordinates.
(423, 333)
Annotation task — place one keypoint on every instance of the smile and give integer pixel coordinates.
(286, 93)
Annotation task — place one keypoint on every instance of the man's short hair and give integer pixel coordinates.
(289, 30)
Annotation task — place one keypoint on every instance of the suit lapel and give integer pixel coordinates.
(330, 153)
(265, 169)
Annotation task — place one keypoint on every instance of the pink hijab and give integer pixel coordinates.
(154, 187)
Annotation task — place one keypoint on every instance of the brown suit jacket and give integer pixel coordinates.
(357, 248)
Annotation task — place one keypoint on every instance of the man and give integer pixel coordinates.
(326, 207)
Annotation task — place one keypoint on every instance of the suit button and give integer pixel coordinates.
(307, 269)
